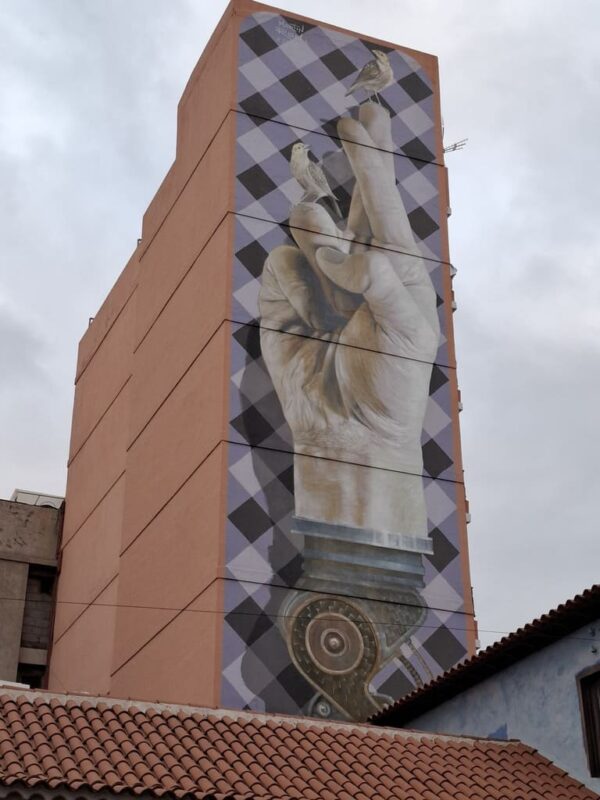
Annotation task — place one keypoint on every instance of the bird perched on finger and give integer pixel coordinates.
(311, 177)
(374, 77)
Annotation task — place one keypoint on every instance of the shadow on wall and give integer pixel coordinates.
(266, 667)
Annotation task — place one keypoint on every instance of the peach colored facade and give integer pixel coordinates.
(140, 595)
(143, 534)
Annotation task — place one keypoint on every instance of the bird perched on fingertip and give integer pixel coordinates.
(311, 177)
(374, 77)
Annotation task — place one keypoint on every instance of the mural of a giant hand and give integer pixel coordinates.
(352, 369)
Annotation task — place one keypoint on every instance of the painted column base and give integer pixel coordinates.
(357, 602)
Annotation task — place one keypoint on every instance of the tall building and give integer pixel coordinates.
(265, 503)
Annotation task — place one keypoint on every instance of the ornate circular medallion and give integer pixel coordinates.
(334, 642)
(334, 645)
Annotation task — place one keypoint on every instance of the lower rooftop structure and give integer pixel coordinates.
(54, 745)
(30, 527)
(540, 684)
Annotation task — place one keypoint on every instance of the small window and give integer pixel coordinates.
(31, 674)
(589, 687)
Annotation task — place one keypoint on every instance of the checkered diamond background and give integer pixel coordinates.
(297, 74)
(265, 188)
(301, 80)
(254, 240)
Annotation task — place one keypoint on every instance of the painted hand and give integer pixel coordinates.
(349, 333)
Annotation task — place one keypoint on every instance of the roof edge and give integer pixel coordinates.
(531, 638)
(40, 696)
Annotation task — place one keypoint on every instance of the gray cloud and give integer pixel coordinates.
(87, 131)
(22, 352)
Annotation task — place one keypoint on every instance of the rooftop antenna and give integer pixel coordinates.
(456, 146)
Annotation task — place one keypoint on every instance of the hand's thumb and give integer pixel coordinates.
(351, 272)
(370, 273)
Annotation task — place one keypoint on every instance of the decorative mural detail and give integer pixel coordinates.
(374, 77)
(345, 585)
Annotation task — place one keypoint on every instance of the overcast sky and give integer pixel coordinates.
(87, 130)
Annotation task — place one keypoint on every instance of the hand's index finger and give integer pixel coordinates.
(378, 124)
(377, 183)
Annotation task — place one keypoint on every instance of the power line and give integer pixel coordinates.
(262, 613)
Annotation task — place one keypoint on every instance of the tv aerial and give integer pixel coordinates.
(456, 146)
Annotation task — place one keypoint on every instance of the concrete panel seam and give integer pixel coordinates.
(259, 324)
(336, 137)
(177, 613)
(87, 606)
(98, 421)
(176, 384)
(82, 523)
(189, 178)
(175, 493)
(283, 586)
(341, 461)
(108, 330)
(390, 249)
(183, 277)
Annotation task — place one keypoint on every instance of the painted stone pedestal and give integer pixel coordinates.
(357, 602)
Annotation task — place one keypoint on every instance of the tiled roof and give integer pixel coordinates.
(53, 742)
(583, 609)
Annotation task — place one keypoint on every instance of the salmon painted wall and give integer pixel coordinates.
(139, 597)
(86, 609)
(232, 513)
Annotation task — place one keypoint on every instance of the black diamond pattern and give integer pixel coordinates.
(295, 685)
(249, 621)
(421, 223)
(248, 337)
(330, 127)
(397, 685)
(258, 108)
(414, 87)
(418, 153)
(253, 258)
(279, 500)
(292, 571)
(337, 63)
(435, 460)
(256, 181)
(250, 519)
(258, 40)
(252, 426)
(298, 86)
(438, 379)
(287, 478)
(443, 551)
(444, 647)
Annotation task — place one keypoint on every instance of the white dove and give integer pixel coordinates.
(374, 76)
(310, 176)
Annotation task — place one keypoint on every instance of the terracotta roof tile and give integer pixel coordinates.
(56, 741)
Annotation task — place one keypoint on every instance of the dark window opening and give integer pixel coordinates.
(31, 674)
(37, 614)
(589, 689)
